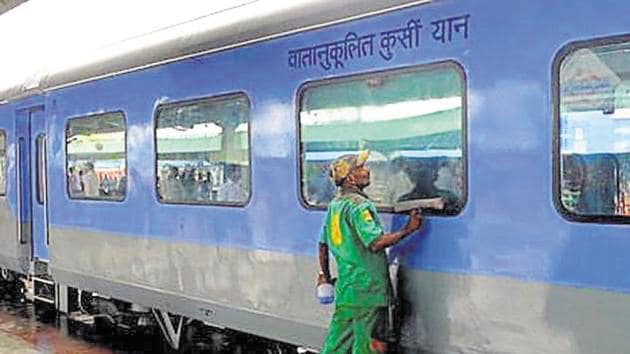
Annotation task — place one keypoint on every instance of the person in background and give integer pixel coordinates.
(232, 190)
(90, 182)
(173, 188)
(399, 182)
(203, 186)
(189, 184)
(106, 186)
(353, 233)
(319, 189)
(121, 187)
(74, 179)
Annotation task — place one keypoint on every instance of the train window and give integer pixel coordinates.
(203, 151)
(96, 157)
(3, 157)
(411, 120)
(593, 113)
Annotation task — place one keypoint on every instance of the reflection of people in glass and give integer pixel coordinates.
(433, 179)
(121, 186)
(189, 184)
(572, 182)
(589, 184)
(599, 190)
(203, 185)
(423, 177)
(232, 189)
(172, 189)
(449, 179)
(398, 183)
(90, 181)
(74, 179)
(319, 188)
(107, 186)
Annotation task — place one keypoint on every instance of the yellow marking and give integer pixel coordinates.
(367, 216)
(335, 230)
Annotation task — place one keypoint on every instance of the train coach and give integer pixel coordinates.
(179, 178)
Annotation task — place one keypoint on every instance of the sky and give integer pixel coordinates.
(45, 33)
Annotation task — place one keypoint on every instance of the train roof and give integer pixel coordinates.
(247, 22)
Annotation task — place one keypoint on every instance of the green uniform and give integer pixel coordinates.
(361, 291)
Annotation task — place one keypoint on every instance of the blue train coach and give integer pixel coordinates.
(179, 178)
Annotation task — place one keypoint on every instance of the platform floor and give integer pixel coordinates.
(25, 330)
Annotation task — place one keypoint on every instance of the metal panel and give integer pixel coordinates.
(241, 25)
(219, 285)
(8, 237)
(453, 313)
(271, 294)
(12, 256)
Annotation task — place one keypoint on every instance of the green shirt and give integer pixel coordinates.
(351, 225)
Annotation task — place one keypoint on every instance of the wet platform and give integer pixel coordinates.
(26, 330)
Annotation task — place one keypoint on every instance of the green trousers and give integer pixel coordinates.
(352, 328)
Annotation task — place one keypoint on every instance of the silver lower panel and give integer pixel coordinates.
(266, 293)
(271, 294)
(13, 255)
(453, 313)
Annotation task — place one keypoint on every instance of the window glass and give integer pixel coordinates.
(203, 151)
(3, 157)
(594, 128)
(96, 157)
(412, 123)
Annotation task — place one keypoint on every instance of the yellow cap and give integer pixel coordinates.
(340, 168)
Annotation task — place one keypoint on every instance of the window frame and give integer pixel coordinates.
(65, 149)
(418, 68)
(4, 171)
(564, 52)
(188, 102)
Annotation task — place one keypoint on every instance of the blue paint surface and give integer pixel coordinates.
(509, 226)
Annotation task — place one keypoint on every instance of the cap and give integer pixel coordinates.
(341, 167)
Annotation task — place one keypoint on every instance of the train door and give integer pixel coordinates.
(31, 175)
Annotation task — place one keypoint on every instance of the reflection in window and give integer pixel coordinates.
(412, 123)
(96, 157)
(595, 131)
(203, 151)
(3, 159)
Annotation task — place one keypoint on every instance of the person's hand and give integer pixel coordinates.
(323, 279)
(415, 221)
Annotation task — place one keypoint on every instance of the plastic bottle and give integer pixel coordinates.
(325, 293)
